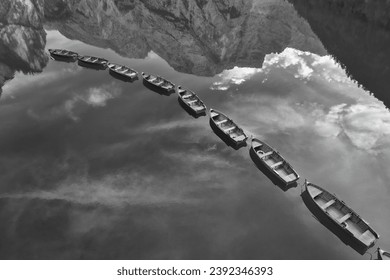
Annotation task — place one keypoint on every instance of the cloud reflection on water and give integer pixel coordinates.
(364, 119)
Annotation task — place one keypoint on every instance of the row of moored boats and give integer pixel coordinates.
(327, 205)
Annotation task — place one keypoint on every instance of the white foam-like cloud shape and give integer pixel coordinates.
(94, 96)
(367, 126)
(301, 65)
(290, 59)
(237, 76)
(97, 97)
(113, 190)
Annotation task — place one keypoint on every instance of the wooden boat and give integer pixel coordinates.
(228, 127)
(274, 161)
(122, 70)
(341, 215)
(191, 100)
(63, 53)
(91, 60)
(383, 255)
(158, 82)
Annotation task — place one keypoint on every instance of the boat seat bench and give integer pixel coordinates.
(316, 193)
(229, 129)
(367, 237)
(266, 154)
(277, 164)
(344, 218)
(186, 95)
(239, 138)
(328, 204)
(197, 107)
(290, 177)
(221, 122)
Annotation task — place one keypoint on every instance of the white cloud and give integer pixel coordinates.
(329, 125)
(366, 125)
(237, 76)
(168, 125)
(114, 190)
(291, 59)
(330, 70)
(95, 97)
(267, 114)
(301, 65)
(193, 158)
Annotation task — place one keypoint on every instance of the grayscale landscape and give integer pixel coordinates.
(101, 161)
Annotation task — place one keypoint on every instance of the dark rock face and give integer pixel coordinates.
(360, 44)
(373, 11)
(22, 38)
(201, 37)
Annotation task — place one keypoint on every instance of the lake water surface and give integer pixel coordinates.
(97, 168)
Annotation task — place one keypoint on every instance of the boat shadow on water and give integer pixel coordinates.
(320, 216)
(225, 138)
(91, 65)
(122, 78)
(189, 111)
(157, 89)
(272, 177)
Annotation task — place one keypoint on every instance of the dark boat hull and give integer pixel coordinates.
(275, 174)
(155, 88)
(63, 57)
(189, 108)
(189, 111)
(345, 236)
(100, 64)
(135, 77)
(114, 70)
(225, 138)
(195, 112)
(276, 180)
(96, 66)
(235, 143)
(383, 255)
(121, 77)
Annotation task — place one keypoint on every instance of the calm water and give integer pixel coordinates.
(94, 167)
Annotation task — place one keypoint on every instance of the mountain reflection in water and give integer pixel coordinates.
(363, 48)
(96, 168)
(199, 37)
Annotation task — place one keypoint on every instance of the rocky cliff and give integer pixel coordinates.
(22, 37)
(201, 37)
(360, 43)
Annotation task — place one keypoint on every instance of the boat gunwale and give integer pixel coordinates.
(123, 74)
(189, 105)
(333, 196)
(102, 61)
(143, 74)
(382, 254)
(70, 54)
(254, 139)
(235, 126)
